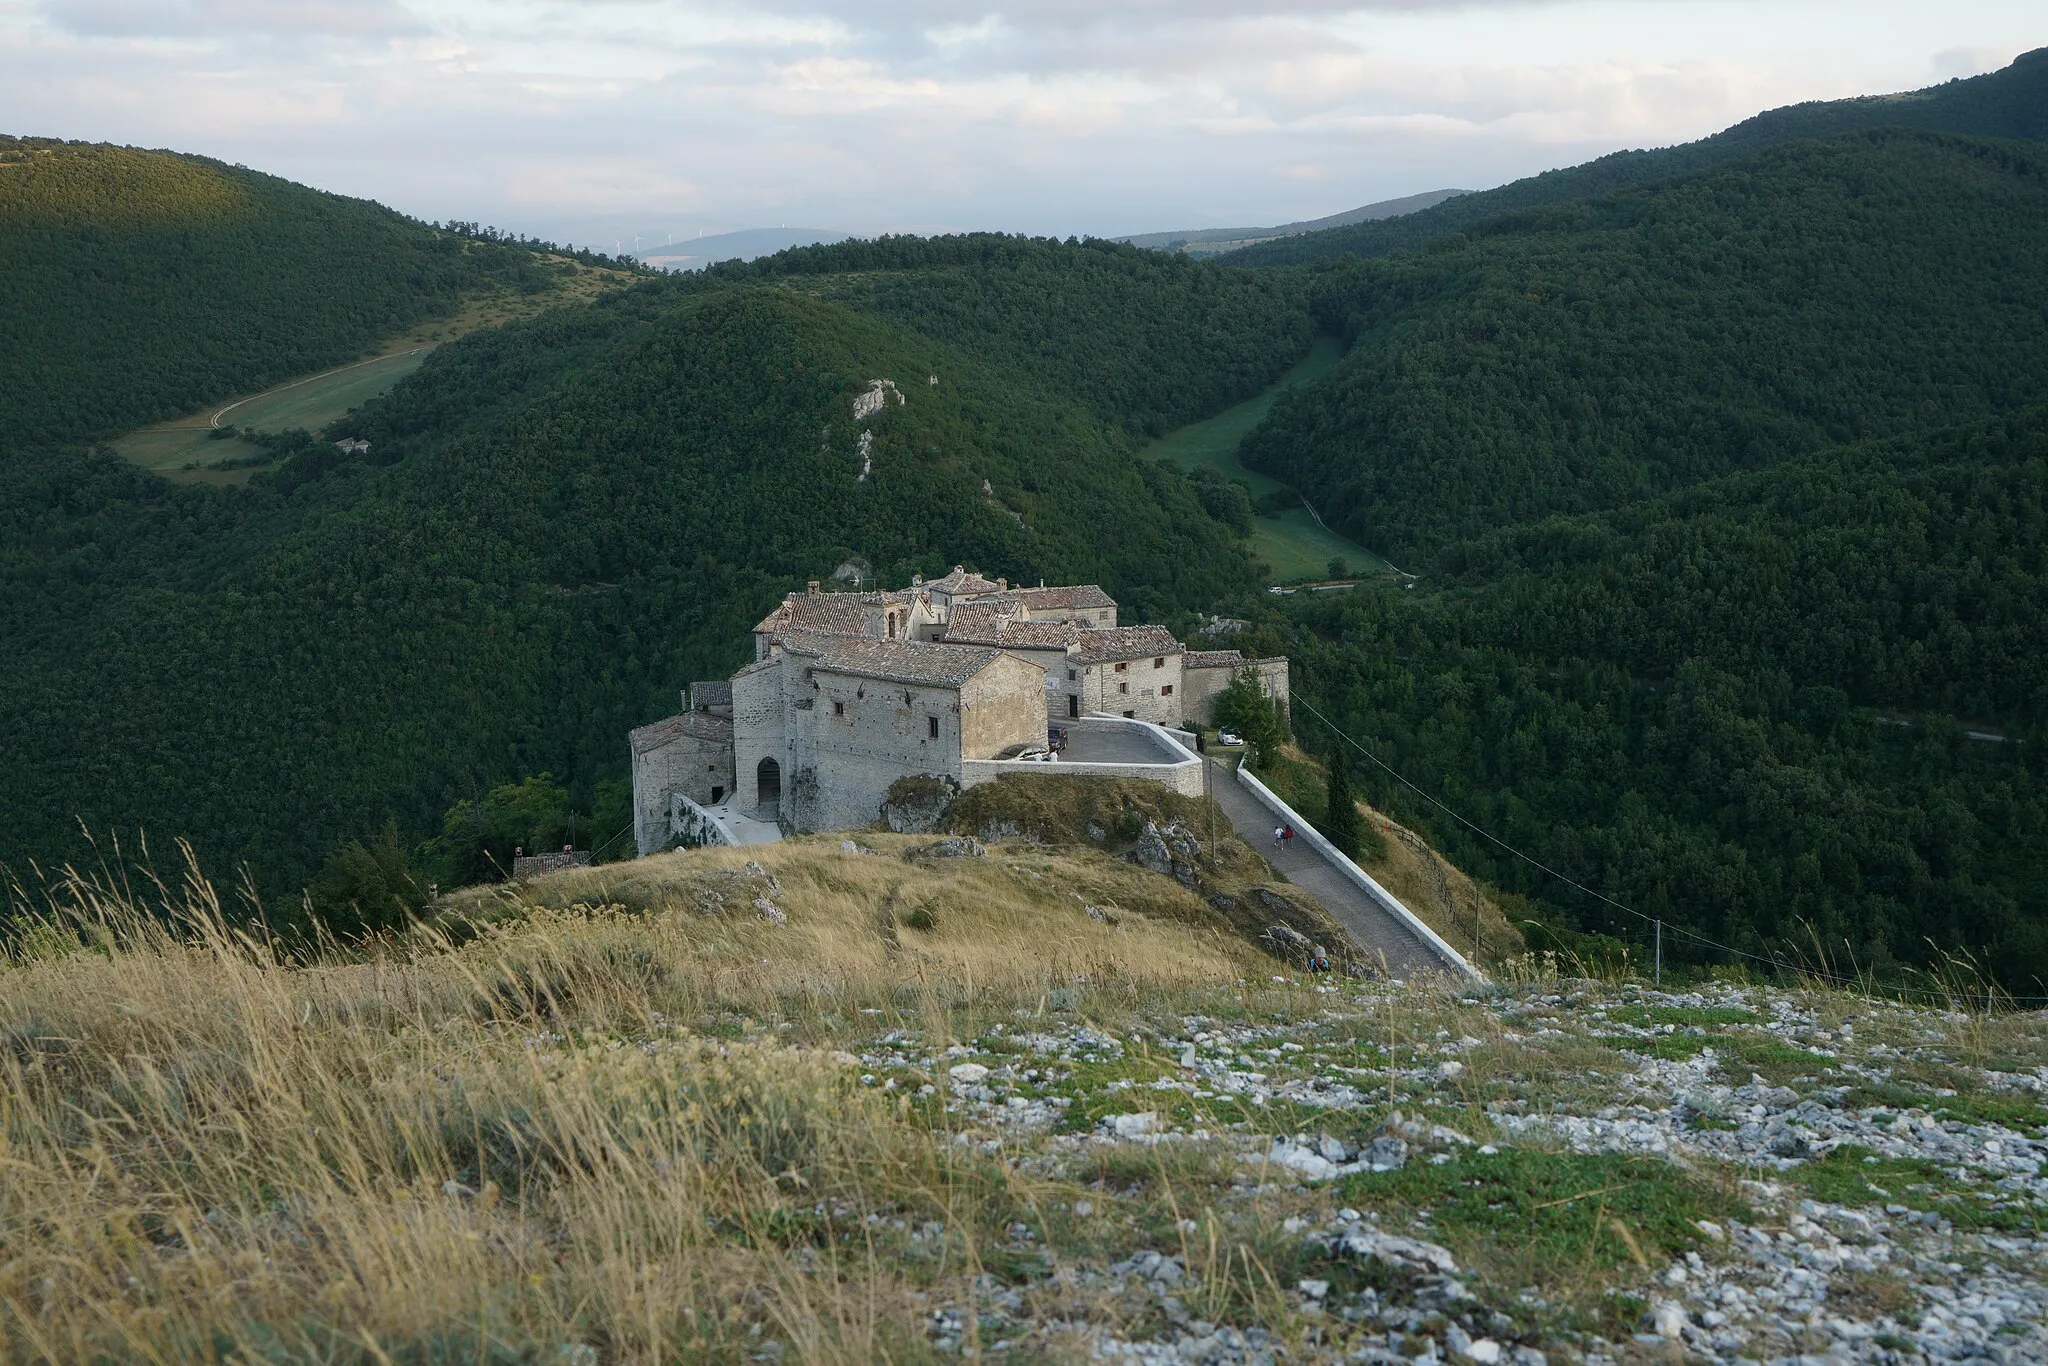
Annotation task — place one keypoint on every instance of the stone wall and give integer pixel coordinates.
(1183, 775)
(1149, 693)
(1001, 706)
(1273, 679)
(760, 725)
(690, 754)
(693, 825)
(858, 736)
(1201, 687)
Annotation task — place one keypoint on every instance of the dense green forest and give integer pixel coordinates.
(1578, 357)
(1147, 340)
(559, 524)
(139, 285)
(1728, 493)
(2011, 103)
(1746, 708)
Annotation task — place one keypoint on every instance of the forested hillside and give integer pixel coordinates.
(2010, 103)
(1743, 708)
(1148, 340)
(565, 521)
(139, 285)
(1583, 356)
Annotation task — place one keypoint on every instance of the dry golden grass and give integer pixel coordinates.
(588, 1124)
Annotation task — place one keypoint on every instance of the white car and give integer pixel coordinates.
(1229, 737)
(1038, 756)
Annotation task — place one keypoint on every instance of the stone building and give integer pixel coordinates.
(1204, 673)
(849, 692)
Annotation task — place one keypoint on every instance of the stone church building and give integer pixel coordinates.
(849, 692)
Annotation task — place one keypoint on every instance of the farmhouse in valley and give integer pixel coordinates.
(959, 679)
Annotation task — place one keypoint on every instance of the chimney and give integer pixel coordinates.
(813, 587)
(1003, 584)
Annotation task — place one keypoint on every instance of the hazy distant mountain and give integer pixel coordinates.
(695, 253)
(1211, 241)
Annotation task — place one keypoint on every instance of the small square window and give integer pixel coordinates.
(1166, 690)
(931, 726)
(1123, 687)
(1121, 667)
(1070, 675)
(1158, 662)
(839, 709)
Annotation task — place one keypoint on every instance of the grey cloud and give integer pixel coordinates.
(224, 18)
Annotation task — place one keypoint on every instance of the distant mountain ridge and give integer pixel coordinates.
(695, 253)
(2008, 103)
(1214, 241)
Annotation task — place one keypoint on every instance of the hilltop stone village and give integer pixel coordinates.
(959, 679)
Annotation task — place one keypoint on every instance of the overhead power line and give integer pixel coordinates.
(1655, 922)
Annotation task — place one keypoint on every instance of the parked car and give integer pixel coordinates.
(1040, 755)
(1229, 737)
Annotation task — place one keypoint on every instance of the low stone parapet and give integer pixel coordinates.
(1177, 767)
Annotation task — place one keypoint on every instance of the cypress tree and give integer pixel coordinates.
(1341, 823)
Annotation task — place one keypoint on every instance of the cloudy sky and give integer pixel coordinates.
(581, 118)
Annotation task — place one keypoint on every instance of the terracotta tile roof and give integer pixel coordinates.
(981, 622)
(1125, 642)
(1076, 597)
(1212, 659)
(1040, 635)
(903, 661)
(696, 725)
(843, 612)
(963, 581)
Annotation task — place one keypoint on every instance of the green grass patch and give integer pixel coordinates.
(1776, 1060)
(1696, 1017)
(1289, 541)
(1549, 1216)
(1848, 1176)
(1671, 1047)
(2020, 1113)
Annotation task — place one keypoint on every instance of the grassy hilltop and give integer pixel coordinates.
(844, 1105)
(142, 284)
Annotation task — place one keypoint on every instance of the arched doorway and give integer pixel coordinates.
(768, 792)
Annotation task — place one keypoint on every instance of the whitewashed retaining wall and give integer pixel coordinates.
(693, 824)
(1385, 899)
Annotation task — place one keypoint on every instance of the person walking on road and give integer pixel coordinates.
(1287, 837)
(1279, 833)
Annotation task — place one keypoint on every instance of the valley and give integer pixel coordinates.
(1291, 541)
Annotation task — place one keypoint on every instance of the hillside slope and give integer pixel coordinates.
(1794, 711)
(836, 1105)
(1148, 342)
(2009, 103)
(139, 285)
(1579, 357)
(561, 522)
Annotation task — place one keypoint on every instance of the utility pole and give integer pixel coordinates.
(1660, 954)
(1210, 796)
